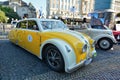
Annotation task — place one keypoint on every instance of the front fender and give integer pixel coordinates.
(69, 57)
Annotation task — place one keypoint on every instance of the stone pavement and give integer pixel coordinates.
(18, 64)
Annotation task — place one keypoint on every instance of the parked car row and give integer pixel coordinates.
(62, 49)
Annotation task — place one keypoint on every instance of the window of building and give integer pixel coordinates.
(50, 12)
(68, 1)
(53, 5)
(78, 8)
(85, 7)
(53, 13)
(68, 7)
(61, 6)
(57, 5)
(65, 7)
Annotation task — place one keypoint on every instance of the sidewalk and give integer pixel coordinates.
(3, 35)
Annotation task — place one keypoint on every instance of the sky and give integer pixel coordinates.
(38, 4)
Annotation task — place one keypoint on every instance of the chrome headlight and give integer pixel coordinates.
(93, 44)
(84, 49)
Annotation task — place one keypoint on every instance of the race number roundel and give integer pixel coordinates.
(29, 38)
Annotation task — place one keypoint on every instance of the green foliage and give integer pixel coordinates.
(9, 12)
(12, 15)
(3, 18)
(6, 9)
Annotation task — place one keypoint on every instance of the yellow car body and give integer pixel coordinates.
(76, 49)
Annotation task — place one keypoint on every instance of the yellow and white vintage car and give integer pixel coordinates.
(52, 41)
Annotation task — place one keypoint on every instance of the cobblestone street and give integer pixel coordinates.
(18, 64)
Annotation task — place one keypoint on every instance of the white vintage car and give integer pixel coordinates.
(101, 34)
(52, 41)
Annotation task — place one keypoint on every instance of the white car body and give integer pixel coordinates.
(97, 33)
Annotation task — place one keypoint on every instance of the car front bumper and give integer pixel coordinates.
(81, 63)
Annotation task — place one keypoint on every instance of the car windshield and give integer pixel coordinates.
(99, 27)
(53, 25)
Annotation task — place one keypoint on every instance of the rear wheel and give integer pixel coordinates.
(54, 58)
(105, 44)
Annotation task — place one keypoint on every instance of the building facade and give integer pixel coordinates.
(69, 8)
(22, 9)
(87, 6)
(113, 5)
(117, 6)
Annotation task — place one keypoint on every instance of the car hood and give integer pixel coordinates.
(67, 35)
(75, 39)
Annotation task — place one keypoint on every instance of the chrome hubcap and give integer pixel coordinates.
(104, 44)
(53, 57)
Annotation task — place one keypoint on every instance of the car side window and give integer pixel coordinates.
(32, 25)
(22, 24)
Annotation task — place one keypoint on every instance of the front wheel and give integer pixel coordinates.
(105, 44)
(54, 58)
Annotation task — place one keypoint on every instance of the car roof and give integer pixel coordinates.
(39, 19)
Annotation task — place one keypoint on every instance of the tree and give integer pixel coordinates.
(9, 12)
(3, 18)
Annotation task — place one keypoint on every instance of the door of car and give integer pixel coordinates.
(92, 31)
(84, 28)
(20, 33)
(32, 38)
